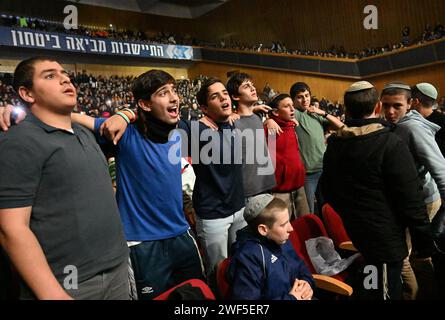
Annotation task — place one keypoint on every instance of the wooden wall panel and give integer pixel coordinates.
(319, 24)
(328, 87)
(432, 74)
(322, 86)
(305, 24)
(8, 66)
(107, 70)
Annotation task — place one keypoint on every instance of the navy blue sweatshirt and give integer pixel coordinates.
(253, 277)
(218, 191)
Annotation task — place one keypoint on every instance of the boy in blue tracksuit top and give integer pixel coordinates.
(264, 265)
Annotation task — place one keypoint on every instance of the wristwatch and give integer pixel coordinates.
(325, 115)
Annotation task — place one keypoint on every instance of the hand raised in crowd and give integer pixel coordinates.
(273, 127)
(5, 116)
(301, 290)
(113, 128)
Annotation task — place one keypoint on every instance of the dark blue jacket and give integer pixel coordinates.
(218, 191)
(271, 278)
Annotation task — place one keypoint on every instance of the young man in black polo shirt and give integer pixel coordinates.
(59, 222)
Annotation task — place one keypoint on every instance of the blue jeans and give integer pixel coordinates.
(161, 264)
(216, 237)
(310, 186)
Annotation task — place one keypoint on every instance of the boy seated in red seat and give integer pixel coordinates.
(264, 265)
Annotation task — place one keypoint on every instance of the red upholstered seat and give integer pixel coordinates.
(307, 227)
(206, 291)
(221, 279)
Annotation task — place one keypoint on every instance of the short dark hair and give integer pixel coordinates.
(277, 99)
(147, 83)
(267, 216)
(424, 99)
(397, 91)
(362, 103)
(201, 96)
(234, 82)
(24, 72)
(297, 88)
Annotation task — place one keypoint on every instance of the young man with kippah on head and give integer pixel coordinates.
(285, 150)
(419, 134)
(370, 179)
(424, 98)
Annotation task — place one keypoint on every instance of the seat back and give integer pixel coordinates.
(306, 227)
(221, 279)
(206, 292)
(334, 225)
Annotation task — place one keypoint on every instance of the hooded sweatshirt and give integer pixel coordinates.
(420, 133)
(261, 269)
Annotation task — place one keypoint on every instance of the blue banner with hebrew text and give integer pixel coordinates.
(21, 37)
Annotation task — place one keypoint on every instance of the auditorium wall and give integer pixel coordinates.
(7, 65)
(319, 24)
(304, 24)
(107, 70)
(433, 74)
(321, 86)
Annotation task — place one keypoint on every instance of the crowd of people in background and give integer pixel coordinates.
(430, 33)
(382, 169)
(101, 96)
(91, 31)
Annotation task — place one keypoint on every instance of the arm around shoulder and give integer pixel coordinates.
(83, 120)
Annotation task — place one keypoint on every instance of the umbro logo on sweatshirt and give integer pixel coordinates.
(147, 290)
